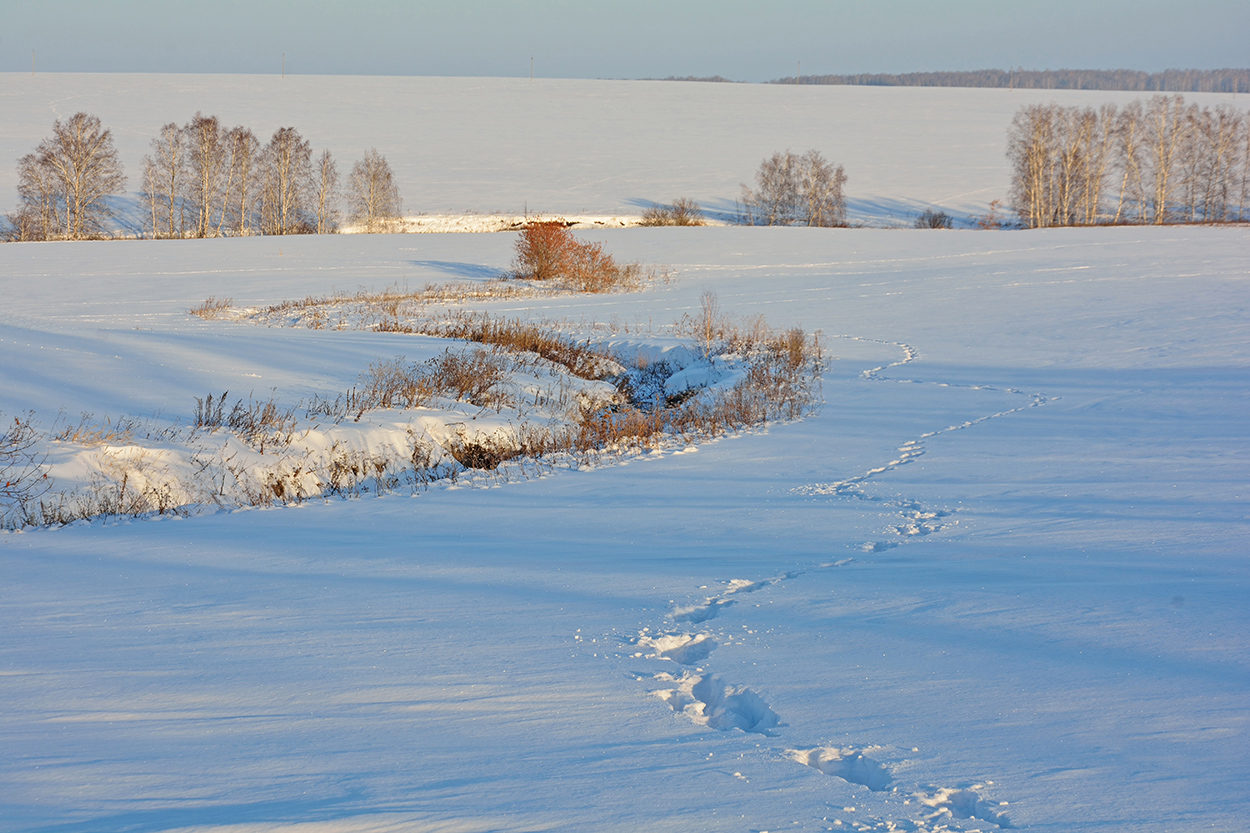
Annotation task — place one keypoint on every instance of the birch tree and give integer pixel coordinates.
(373, 196)
(65, 184)
(164, 182)
(286, 184)
(791, 188)
(206, 156)
(239, 192)
(1165, 131)
(327, 193)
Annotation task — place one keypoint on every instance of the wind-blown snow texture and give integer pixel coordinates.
(1005, 563)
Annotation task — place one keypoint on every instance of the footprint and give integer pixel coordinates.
(683, 649)
(710, 701)
(964, 803)
(847, 763)
(695, 614)
(741, 585)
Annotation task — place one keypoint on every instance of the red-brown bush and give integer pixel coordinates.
(548, 251)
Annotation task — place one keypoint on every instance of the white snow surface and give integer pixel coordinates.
(1000, 580)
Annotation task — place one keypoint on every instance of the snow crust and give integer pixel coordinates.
(998, 581)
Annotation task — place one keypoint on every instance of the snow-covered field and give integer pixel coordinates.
(999, 580)
(512, 146)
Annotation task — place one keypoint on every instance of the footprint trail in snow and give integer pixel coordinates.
(708, 700)
(915, 520)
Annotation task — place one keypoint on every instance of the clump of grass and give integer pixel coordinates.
(582, 359)
(484, 453)
(88, 431)
(258, 423)
(467, 375)
(683, 212)
(212, 307)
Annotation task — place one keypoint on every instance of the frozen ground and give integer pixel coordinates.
(1005, 563)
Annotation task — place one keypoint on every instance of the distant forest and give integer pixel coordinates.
(1171, 80)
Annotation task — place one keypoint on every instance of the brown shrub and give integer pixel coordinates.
(548, 251)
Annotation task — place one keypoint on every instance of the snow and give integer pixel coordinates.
(595, 148)
(1000, 578)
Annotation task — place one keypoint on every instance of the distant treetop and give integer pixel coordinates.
(720, 79)
(1171, 80)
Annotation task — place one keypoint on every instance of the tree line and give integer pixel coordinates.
(1171, 80)
(200, 179)
(1156, 161)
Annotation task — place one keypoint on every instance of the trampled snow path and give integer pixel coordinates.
(711, 701)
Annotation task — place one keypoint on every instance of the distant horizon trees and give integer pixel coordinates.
(1171, 80)
(1154, 162)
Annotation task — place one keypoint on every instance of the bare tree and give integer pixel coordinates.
(164, 181)
(774, 200)
(792, 188)
(1129, 134)
(1174, 162)
(65, 184)
(1166, 127)
(1059, 158)
(1031, 148)
(206, 157)
(1098, 154)
(38, 216)
(239, 192)
(286, 184)
(1243, 200)
(820, 186)
(1209, 161)
(327, 193)
(373, 196)
(1218, 160)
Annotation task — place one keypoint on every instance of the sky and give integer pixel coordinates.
(744, 41)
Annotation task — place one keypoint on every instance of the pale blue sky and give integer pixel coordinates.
(749, 41)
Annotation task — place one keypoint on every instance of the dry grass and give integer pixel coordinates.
(466, 375)
(88, 431)
(257, 423)
(581, 359)
(683, 212)
(212, 307)
(779, 374)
